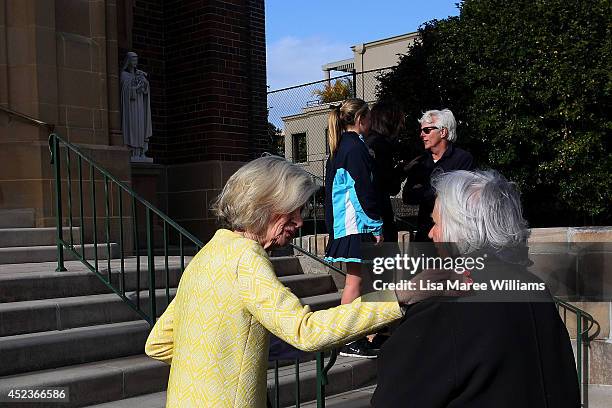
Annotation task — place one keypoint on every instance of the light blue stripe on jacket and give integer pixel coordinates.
(349, 216)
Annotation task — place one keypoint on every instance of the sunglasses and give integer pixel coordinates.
(428, 129)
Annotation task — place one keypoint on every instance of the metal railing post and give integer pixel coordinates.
(276, 386)
(321, 381)
(297, 382)
(58, 204)
(585, 366)
(151, 267)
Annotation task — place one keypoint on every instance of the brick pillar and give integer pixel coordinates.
(210, 112)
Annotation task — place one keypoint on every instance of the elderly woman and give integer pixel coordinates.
(503, 349)
(215, 332)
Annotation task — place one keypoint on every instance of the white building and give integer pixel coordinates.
(306, 131)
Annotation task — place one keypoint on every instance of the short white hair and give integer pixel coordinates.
(443, 118)
(261, 189)
(479, 210)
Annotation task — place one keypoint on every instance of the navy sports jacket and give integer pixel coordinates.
(351, 205)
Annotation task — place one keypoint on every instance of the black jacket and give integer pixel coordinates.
(387, 180)
(470, 353)
(418, 189)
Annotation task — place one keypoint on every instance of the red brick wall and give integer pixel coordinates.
(207, 67)
(147, 40)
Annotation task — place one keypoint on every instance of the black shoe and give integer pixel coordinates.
(360, 348)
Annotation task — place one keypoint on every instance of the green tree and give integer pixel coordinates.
(276, 140)
(340, 90)
(530, 84)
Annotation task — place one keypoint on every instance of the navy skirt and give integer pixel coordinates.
(349, 249)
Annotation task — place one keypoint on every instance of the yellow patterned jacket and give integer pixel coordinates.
(214, 333)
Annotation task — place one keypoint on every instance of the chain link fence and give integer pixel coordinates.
(297, 121)
(297, 115)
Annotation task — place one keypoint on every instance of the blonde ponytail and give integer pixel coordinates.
(334, 130)
(342, 116)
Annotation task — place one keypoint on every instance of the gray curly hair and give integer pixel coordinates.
(479, 209)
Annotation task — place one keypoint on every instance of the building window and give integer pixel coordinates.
(299, 147)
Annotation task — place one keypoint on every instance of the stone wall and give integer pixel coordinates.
(58, 63)
(591, 272)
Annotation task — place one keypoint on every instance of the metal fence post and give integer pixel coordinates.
(321, 380)
(58, 204)
(151, 267)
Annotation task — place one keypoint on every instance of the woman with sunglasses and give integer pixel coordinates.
(438, 133)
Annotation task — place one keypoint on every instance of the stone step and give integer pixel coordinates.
(600, 396)
(139, 381)
(359, 398)
(284, 251)
(34, 281)
(36, 316)
(156, 400)
(68, 313)
(51, 349)
(348, 373)
(26, 237)
(286, 265)
(48, 253)
(96, 382)
(40, 281)
(309, 285)
(18, 218)
(321, 302)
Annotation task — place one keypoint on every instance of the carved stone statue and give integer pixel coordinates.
(135, 108)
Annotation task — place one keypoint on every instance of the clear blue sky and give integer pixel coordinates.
(301, 36)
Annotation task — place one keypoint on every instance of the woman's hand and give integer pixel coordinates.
(378, 240)
(431, 283)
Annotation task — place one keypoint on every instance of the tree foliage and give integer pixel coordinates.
(276, 140)
(340, 90)
(530, 84)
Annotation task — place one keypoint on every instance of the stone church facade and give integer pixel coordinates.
(60, 62)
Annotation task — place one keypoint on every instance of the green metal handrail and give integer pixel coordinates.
(96, 174)
(27, 118)
(584, 323)
(56, 145)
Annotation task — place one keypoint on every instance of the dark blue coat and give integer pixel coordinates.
(351, 205)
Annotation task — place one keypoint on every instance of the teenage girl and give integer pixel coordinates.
(352, 215)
